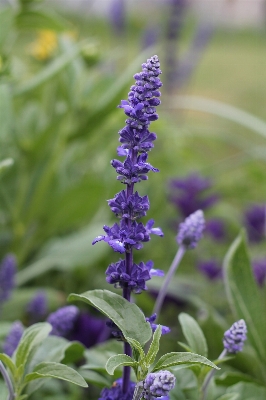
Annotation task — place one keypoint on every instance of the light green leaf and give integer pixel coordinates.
(193, 334)
(231, 378)
(127, 316)
(118, 361)
(185, 347)
(56, 370)
(243, 294)
(31, 339)
(171, 359)
(154, 347)
(33, 19)
(96, 356)
(6, 163)
(95, 378)
(8, 362)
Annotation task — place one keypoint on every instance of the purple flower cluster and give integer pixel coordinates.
(12, 339)
(158, 384)
(235, 337)
(154, 326)
(191, 230)
(136, 140)
(62, 320)
(116, 393)
(8, 269)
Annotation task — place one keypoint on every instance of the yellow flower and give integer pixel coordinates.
(45, 45)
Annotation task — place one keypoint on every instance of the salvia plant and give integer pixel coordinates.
(138, 373)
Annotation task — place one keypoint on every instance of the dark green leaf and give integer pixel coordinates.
(171, 359)
(193, 334)
(56, 370)
(243, 294)
(127, 316)
(118, 361)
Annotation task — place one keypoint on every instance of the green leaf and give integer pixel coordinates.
(171, 359)
(154, 347)
(8, 362)
(127, 316)
(56, 370)
(231, 378)
(185, 346)
(8, 162)
(243, 294)
(53, 69)
(96, 356)
(248, 391)
(137, 347)
(229, 396)
(118, 361)
(6, 112)
(193, 334)
(95, 378)
(31, 339)
(33, 19)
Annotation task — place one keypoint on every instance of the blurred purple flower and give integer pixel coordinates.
(115, 392)
(63, 320)
(150, 36)
(191, 230)
(255, 222)
(37, 307)
(8, 270)
(12, 340)
(89, 330)
(259, 270)
(189, 194)
(211, 269)
(216, 229)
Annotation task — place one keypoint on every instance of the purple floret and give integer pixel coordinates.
(158, 384)
(191, 230)
(235, 337)
(63, 320)
(13, 338)
(255, 222)
(131, 207)
(154, 326)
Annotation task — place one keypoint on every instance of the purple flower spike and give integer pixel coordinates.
(8, 270)
(158, 384)
(154, 326)
(62, 320)
(37, 307)
(191, 230)
(235, 337)
(131, 207)
(12, 340)
(211, 269)
(116, 393)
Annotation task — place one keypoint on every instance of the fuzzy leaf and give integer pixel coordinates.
(127, 316)
(118, 361)
(193, 334)
(171, 359)
(8, 362)
(56, 370)
(137, 347)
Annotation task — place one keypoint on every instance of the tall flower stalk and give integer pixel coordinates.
(136, 141)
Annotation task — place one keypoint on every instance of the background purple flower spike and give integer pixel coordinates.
(8, 269)
(255, 222)
(259, 270)
(12, 340)
(38, 306)
(116, 393)
(211, 269)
